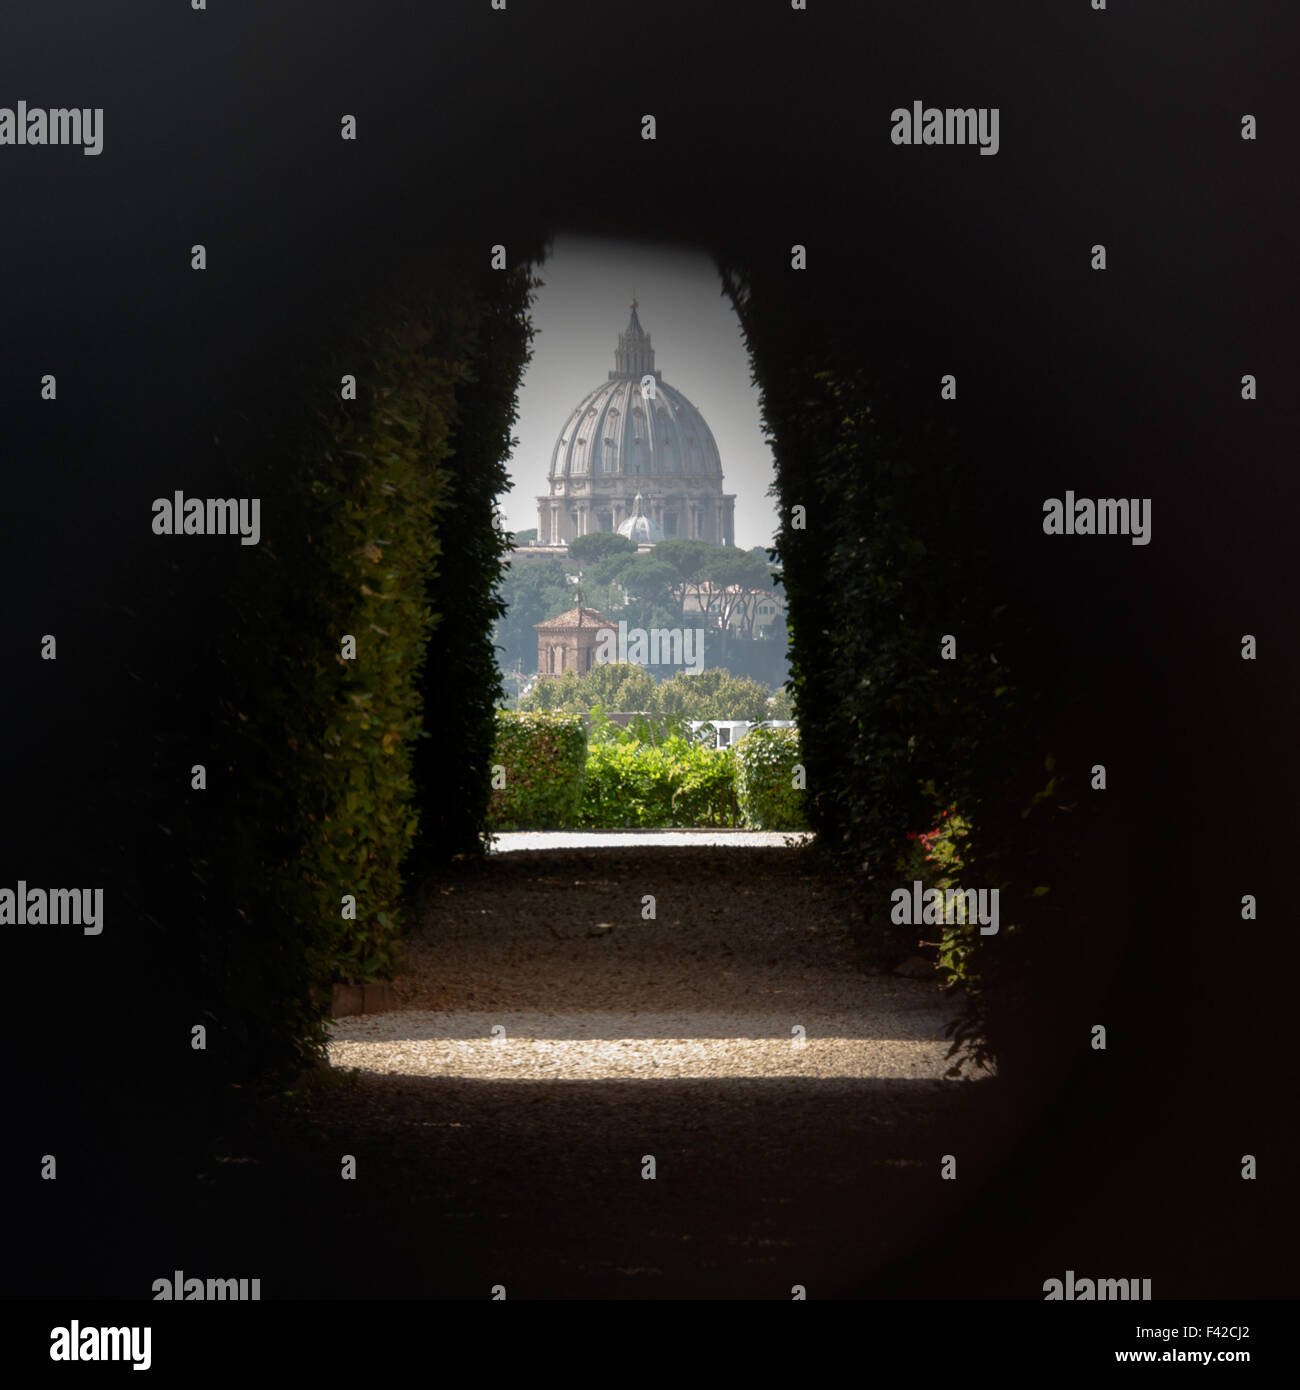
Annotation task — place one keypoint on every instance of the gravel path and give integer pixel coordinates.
(593, 1046)
(548, 968)
(648, 1127)
(523, 1162)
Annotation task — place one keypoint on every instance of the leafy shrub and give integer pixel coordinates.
(765, 773)
(706, 793)
(653, 775)
(628, 784)
(935, 859)
(542, 761)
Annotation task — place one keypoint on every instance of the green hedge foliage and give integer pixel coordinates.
(657, 785)
(378, 488)
(325, 744)
(894, 547)
(365, 534)
(461, 682)
(652, 776)
(705, 794)
(539, 765)
(628, 785)
(766, 769)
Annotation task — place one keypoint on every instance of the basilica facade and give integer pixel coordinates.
(635, 456)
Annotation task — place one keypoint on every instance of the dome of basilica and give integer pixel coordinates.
(635, 433)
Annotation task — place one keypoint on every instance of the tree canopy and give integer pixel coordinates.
(625, 687)
(645, 589)
(597, 545)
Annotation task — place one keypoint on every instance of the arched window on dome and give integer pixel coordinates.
(610, 462)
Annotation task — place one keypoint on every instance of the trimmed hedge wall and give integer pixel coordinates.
(378, 490)
(655, 786)
(629, 785)
(766, 763)
(366, 535)
(539, 766)
(227, 887)
(900, 541)
(705, 793)
(461, 682)
(551, 778)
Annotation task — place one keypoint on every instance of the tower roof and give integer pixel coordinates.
(576, 617)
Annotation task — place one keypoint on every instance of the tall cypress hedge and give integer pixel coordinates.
(228, 901)
(394, 543)
(461, 685)
(899, 543)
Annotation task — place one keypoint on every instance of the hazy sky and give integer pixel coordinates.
(579, 313)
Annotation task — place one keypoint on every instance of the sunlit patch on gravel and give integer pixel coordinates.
(507, 841)
(598, 1046)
